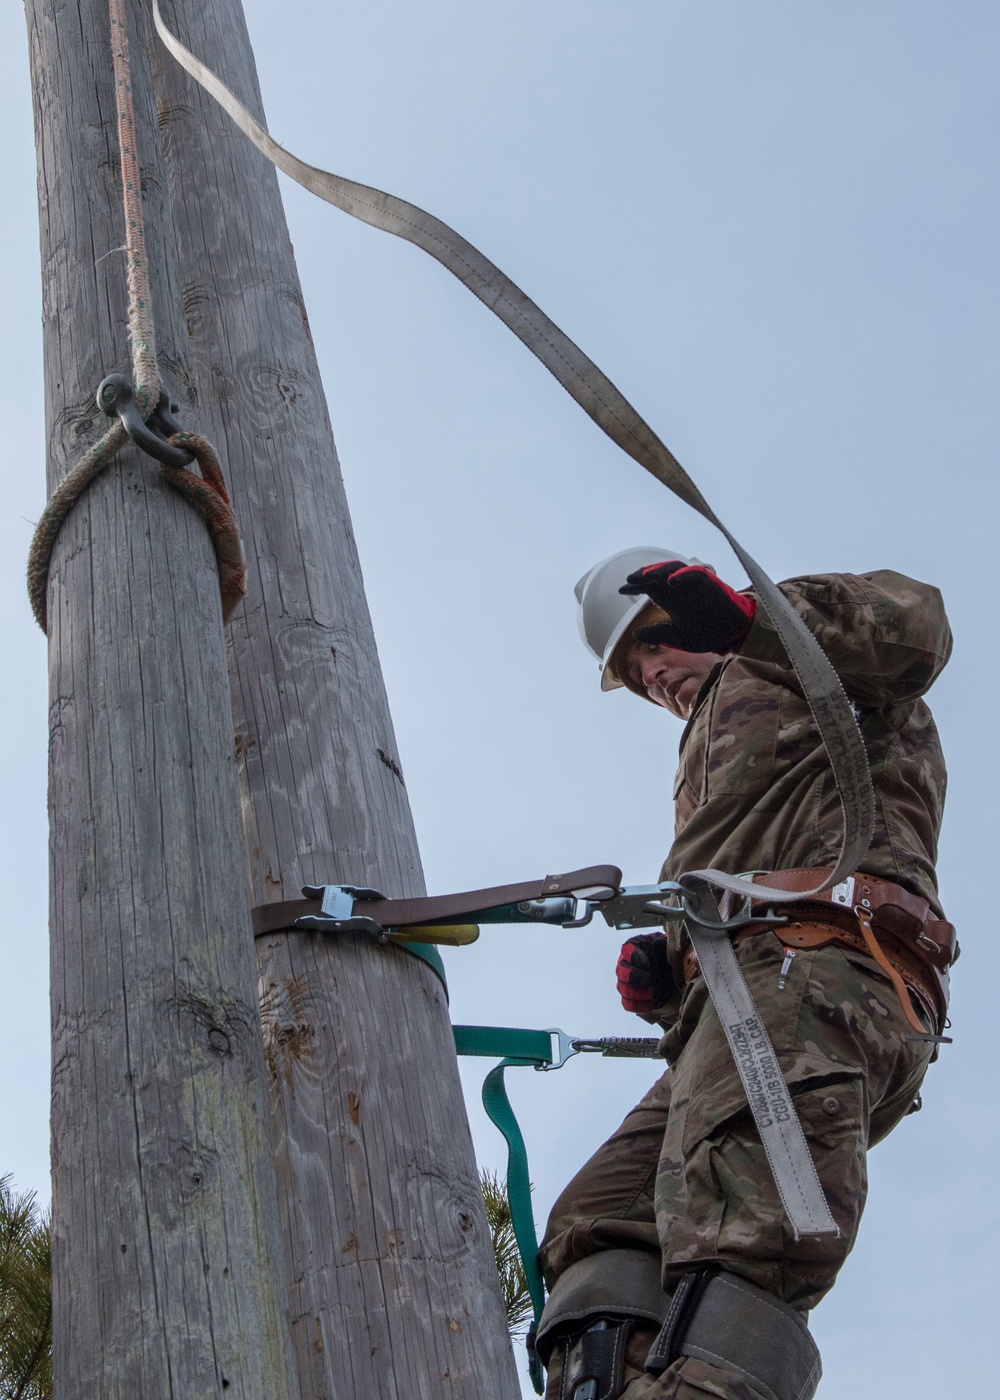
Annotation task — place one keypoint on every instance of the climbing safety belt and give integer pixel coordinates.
(542, 1050)
(772, 1107)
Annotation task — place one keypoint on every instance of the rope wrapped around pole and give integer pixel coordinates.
(207, 492)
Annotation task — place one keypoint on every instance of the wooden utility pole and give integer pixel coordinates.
(166, 1239)
(394, 1287)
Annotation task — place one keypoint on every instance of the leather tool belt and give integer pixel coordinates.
(913, 942)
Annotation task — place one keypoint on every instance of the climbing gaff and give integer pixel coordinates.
(116, 398)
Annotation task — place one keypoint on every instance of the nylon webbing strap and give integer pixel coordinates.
(500, 1042)
(519, 1048)
(612, 412)
(427, 953)
(500, 1113)
(764, 1084)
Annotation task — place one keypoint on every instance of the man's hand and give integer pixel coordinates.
(705, 613)
(645, 981)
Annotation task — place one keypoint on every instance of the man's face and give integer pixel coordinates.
(670, 678)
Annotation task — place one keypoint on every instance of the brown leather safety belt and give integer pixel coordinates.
(438, 909)
(897, 929)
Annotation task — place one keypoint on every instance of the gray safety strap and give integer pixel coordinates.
(764, 1084)
(727, 1321)
(612, 412)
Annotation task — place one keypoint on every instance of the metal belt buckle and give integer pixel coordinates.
(336, 911)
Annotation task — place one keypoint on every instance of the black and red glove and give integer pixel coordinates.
(705, 613)
(645, 981)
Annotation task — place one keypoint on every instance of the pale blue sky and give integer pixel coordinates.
(774, 226)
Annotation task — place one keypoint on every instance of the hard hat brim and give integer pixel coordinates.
(609, 680)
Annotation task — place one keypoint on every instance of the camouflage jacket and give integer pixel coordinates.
(754, 789)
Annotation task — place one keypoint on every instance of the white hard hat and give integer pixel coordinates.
(603, 614)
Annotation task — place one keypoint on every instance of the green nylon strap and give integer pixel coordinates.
(500, 1113)
(519, 1048)
(427, 953)
(504, 1042)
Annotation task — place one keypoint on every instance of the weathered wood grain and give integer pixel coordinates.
(394, 1289)
(168, 1270)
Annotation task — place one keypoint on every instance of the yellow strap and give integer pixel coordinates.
(451, 935)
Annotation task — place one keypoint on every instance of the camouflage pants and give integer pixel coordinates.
(686, 1175)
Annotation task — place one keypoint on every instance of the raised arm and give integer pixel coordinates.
(887, 635)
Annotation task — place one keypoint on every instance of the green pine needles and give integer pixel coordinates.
(25, 1298)
(513, 1284)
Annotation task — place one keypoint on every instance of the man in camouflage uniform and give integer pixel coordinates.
(684, 1180)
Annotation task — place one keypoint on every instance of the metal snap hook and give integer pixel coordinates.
(690, 901)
